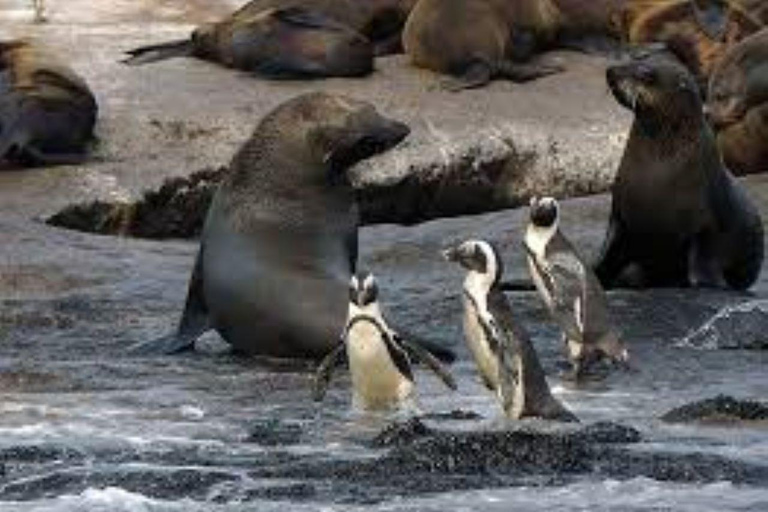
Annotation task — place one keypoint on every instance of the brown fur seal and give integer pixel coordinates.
(737, 105)
(700, 31)
(678, 215)
(479, 40)
(279, 42)
(47, 112)
(381, 21)
(279, 244)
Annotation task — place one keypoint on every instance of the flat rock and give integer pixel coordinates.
(720, 409)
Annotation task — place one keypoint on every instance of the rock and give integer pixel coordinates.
(720, 409)
(734, 326)
(176, 210)
(482, 173)
(399, 434)
(274, 432)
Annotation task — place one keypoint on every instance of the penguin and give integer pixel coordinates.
(505, 357)
(379, 359)
(571, 291)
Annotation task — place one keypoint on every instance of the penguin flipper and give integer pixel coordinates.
(194, 321)
(324, 371)
(443, 354)
(420, 354)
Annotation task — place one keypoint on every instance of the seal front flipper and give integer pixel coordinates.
(420, 354)
(156, 52)
(477, 74)
(194, 321)
(525, 72)
(325, 369)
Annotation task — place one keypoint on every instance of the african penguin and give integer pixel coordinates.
(570, 289)
(379, 360)
(502, 350)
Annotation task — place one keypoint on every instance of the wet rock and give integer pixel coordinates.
(734, 326)
(274, 432)
(401, 433)
(176, 210)
(295, 493)
(38, 454)
(478, 175)
(159, 483)
(720, 409)
(455, 415)
(606, 432)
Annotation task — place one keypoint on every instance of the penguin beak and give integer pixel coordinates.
(450, 254)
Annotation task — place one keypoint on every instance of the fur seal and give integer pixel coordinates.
(478, 41)
(502, 350)
(677, 215)
(379, 359)
(277, 42)
(699, 31)
(47, 111)
(737, 105)
(280, 240)
(570, 290)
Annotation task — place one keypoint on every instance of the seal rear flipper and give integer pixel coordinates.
(525, 72)
(325, 369)
(477, 74)
(420, 354)
(194, 321)
(156, 52)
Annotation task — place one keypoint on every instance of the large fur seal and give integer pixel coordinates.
(480, 40)
(280, 241)
(47, 111)
(279, 42)
(737, 105)
(677, 214)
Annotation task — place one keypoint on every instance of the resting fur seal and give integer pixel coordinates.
(278, 42)
(47, 111)
(678, 214)
(478, 41)
(699, 31)
(380, 21)
(280, 241)
(737, 105)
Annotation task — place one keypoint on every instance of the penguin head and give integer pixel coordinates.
(363, 289)
(545, 212)
(476, 256)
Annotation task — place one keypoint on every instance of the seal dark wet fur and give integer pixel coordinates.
(678, 216)
(280, 240)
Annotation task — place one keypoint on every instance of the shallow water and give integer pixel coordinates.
(85, 427)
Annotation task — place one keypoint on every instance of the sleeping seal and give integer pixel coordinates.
(280, 240)
(678, 216)
(47, 111)
(277, 42)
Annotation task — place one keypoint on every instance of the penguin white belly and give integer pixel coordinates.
(478, 345)
(536, 239)
(376, 381)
